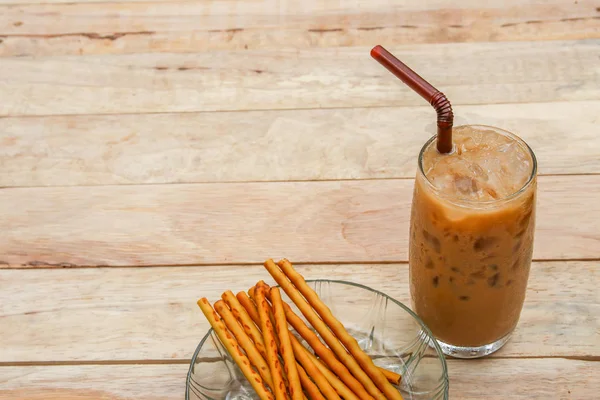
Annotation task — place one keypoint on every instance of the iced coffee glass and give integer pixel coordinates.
(471, 238)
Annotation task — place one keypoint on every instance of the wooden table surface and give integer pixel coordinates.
(156, 151)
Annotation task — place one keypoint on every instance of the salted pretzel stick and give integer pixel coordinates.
(309, 386)
(241, 314)
(329, 337)
(340, 332)
(269, 339)
(244, 341)
(234, 350)
(287, 353)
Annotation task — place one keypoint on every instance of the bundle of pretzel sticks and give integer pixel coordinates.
(253, 327)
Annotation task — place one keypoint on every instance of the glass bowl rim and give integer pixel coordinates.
(431, 338)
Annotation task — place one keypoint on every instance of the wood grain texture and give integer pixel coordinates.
(351, 221)
(473, 73)
(327, 144)
(125, 97)
(524, 379)
(93, 382)
(498, 379)
(49, 315)
(190, 26)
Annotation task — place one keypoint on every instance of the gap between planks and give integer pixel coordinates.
(308, 108)
(242, 264)
(186, 361)
(391, 178)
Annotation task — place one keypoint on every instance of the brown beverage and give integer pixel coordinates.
(471, 238)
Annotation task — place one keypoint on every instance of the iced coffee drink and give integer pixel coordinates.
(471, 238)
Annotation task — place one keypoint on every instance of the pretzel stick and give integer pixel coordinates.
(234, 350)
(250, 308)
(287, 353)
(252, 290)
(277, 341)
(267, 292)
(326, 355)
(244, 341)
(307, 334)
(267, 289)
(340, 332)
(337, 384)
(322, 383)
(269, 339)
(326, 334)
(308, 385)
(392, 377)
(322, 371)
(312, 371)
(240, 313)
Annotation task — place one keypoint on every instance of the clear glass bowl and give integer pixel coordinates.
(387, 330)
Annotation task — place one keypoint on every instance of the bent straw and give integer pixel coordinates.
(442, 106)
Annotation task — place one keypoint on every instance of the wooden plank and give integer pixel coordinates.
(471, 73)
(327, 144)
(190, 26)
(93, 382)
(469, 379)
(132, 311)
(524, 379)
(351, 221)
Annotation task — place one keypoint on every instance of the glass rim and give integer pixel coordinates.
(466, 202)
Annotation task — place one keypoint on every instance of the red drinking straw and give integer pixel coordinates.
(437, 99)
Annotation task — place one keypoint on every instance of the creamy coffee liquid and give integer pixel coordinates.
(472, 236)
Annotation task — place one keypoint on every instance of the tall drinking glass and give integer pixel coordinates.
(471, 238)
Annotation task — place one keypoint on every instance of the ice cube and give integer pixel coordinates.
(485, 166)
(478, 172)
(465, 184)
(504, 148)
